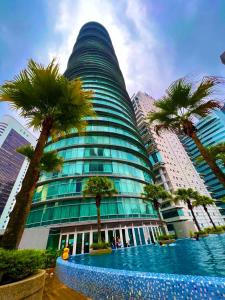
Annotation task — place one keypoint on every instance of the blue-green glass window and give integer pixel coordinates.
(66, 187)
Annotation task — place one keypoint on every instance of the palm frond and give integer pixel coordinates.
(51, 162)
(26, 150)
(205, 89)
(203, 200)
(217, 152)
(203, 109)
(178, 93)
(97, 185)
(176, 111)
(40, 92)
(185, 195)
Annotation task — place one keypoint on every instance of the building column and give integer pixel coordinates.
(82, 246)
(60, 238)
(139, 235)
(134, 237)
(164, 181)
(153, 234)
(126, 234)
(67, 238)
(146, 235)
(121, 236)
(106, 235)
(159, 233)
(74, 243)
(91, 237)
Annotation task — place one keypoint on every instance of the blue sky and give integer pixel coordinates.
(156, 42)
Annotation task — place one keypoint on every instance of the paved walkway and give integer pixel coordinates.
(55, 290)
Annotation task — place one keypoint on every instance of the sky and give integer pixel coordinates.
(156, 42)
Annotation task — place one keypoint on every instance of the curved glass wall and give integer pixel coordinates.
(111, 145)
(73, 187)
(85, 210)
(96, 140)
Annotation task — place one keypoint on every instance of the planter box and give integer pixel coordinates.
(30, 288)
(166, 242)
(100, 251)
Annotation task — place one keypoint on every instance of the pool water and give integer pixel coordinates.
(205, 257)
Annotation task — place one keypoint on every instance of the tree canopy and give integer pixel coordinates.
(97, 185)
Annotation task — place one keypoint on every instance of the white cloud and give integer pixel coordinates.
(144, 61)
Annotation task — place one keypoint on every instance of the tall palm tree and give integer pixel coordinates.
(204, 201)
(178, 108)
(154, 193)
(99, 187)
(51, 104)
(187, 196)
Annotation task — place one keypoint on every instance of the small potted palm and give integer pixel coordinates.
(165, 239)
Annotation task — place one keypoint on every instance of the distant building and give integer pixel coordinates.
(211, 131)
(222, 57)
(13, 165)
(173, 169)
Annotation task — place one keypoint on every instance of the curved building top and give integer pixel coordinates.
(93, 52)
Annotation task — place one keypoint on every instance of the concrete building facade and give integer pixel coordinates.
(13, 165)
(173, 169)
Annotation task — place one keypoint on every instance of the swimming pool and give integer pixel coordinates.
(189, 270)
(188, 257)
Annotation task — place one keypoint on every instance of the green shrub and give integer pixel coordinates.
(212, 230)
(50, 257)
(200, 232)
(166, 237)
(102, 245)
(18, 264)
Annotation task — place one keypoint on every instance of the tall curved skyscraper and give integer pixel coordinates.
(111, 147)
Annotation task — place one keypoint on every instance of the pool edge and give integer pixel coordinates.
(105, 283)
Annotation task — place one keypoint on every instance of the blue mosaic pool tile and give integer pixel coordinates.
(112, 284)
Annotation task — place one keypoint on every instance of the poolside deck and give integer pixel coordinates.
(55, 290)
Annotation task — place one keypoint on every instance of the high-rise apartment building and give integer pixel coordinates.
(173, 169)
(13, 165)
(111, 147)
(211, 131)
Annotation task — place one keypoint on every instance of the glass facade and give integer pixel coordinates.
(211, 131)
(10, 164)
(111, 146)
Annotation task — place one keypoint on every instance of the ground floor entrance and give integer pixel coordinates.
(79, 241)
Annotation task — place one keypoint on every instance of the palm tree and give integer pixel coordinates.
(50, 161)
(99, 187)
(178, 108)
(53, 105)
(204, 201)
(187, 195)
(216, 151)
(154, 193)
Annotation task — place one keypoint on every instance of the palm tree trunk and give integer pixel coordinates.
(98, 202)
(194, 217)
(210, 161)
(206, 210)
(161, 221)
(18, 216)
